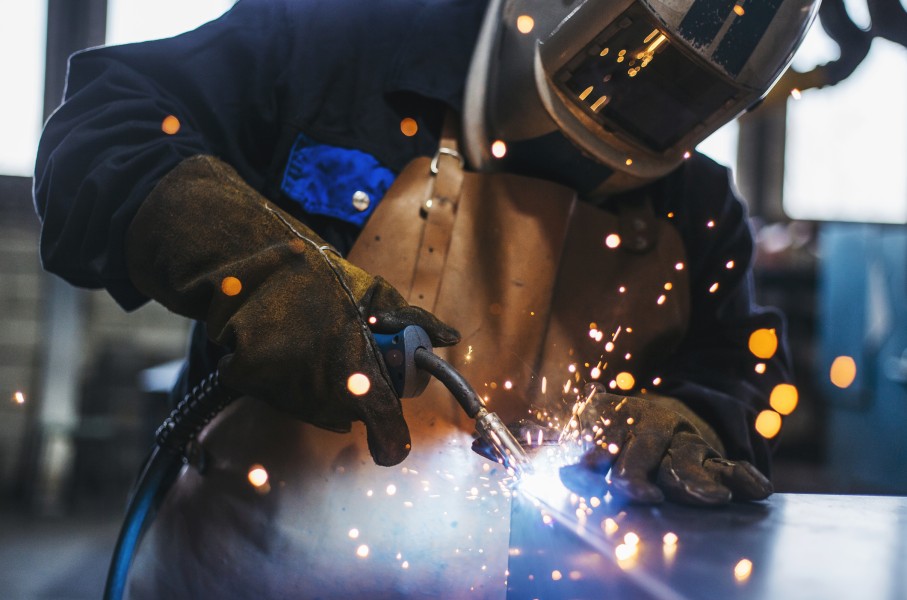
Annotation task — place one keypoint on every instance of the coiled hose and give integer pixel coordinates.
(184, 423)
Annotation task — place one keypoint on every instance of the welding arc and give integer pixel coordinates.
(457, 385)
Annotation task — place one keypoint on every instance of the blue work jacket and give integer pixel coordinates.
(305, 98)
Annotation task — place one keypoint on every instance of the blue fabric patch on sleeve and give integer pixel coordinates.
(323, 180)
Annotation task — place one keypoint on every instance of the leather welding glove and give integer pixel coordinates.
(294, 314)
(655, 447)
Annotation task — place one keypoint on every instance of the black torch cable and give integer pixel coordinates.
(185, 422)
(452, 380)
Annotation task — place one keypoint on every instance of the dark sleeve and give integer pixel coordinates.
(713, 370)
(104, 149)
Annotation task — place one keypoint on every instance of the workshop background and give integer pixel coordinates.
(82, 384)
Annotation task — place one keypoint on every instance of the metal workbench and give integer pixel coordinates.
(789, 546)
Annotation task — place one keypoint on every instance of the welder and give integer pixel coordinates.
(517, 178)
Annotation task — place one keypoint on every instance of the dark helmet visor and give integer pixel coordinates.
(634, 82)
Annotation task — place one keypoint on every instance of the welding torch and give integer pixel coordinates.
(410, 362)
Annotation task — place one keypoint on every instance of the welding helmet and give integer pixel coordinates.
(629, 86)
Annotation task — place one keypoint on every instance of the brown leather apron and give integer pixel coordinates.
(525, 271)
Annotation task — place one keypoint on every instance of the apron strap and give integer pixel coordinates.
(438, 211)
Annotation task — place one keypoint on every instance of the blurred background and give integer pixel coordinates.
(822, 164)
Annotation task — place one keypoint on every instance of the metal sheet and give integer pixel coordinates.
(798, 546)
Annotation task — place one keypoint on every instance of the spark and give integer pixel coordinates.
(713, 288)
(362, 551)
(729, 264)
(669, 286)
(679, 266)
(391, 490)
(629, 161)
(686, 156)
(598, 104)
(585, 93)
(622, 289)
(372, 320)
(625, 380)
(358, 384)
(544, 384)
(468, 356)
(409, 127)
(743, 569)
(661, 299)
(610, 526)
(404, 564)
(525, 24)
(656, 381)
(353, 533)
(556, 575)
(258, 476)
(498, 149)
(170, 125)
(508, 385)
(612, 241)
(19, 398)
(624, 552)
(759, 368)
(613, 448)
(609, 346)
(631, 539)
(546, 519)
(230, 286)
(572, 368)
(710, 224)
(795, 93)
(595, 373)
(670, 539)
(738, 10)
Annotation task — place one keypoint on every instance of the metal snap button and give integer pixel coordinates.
(361, 201)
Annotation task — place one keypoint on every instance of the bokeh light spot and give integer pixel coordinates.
(525, 23)
(170, 125)
(768, 424)
(763, 343)
(358, 384)
(843, 371)
(784, 398)
(231, 286)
